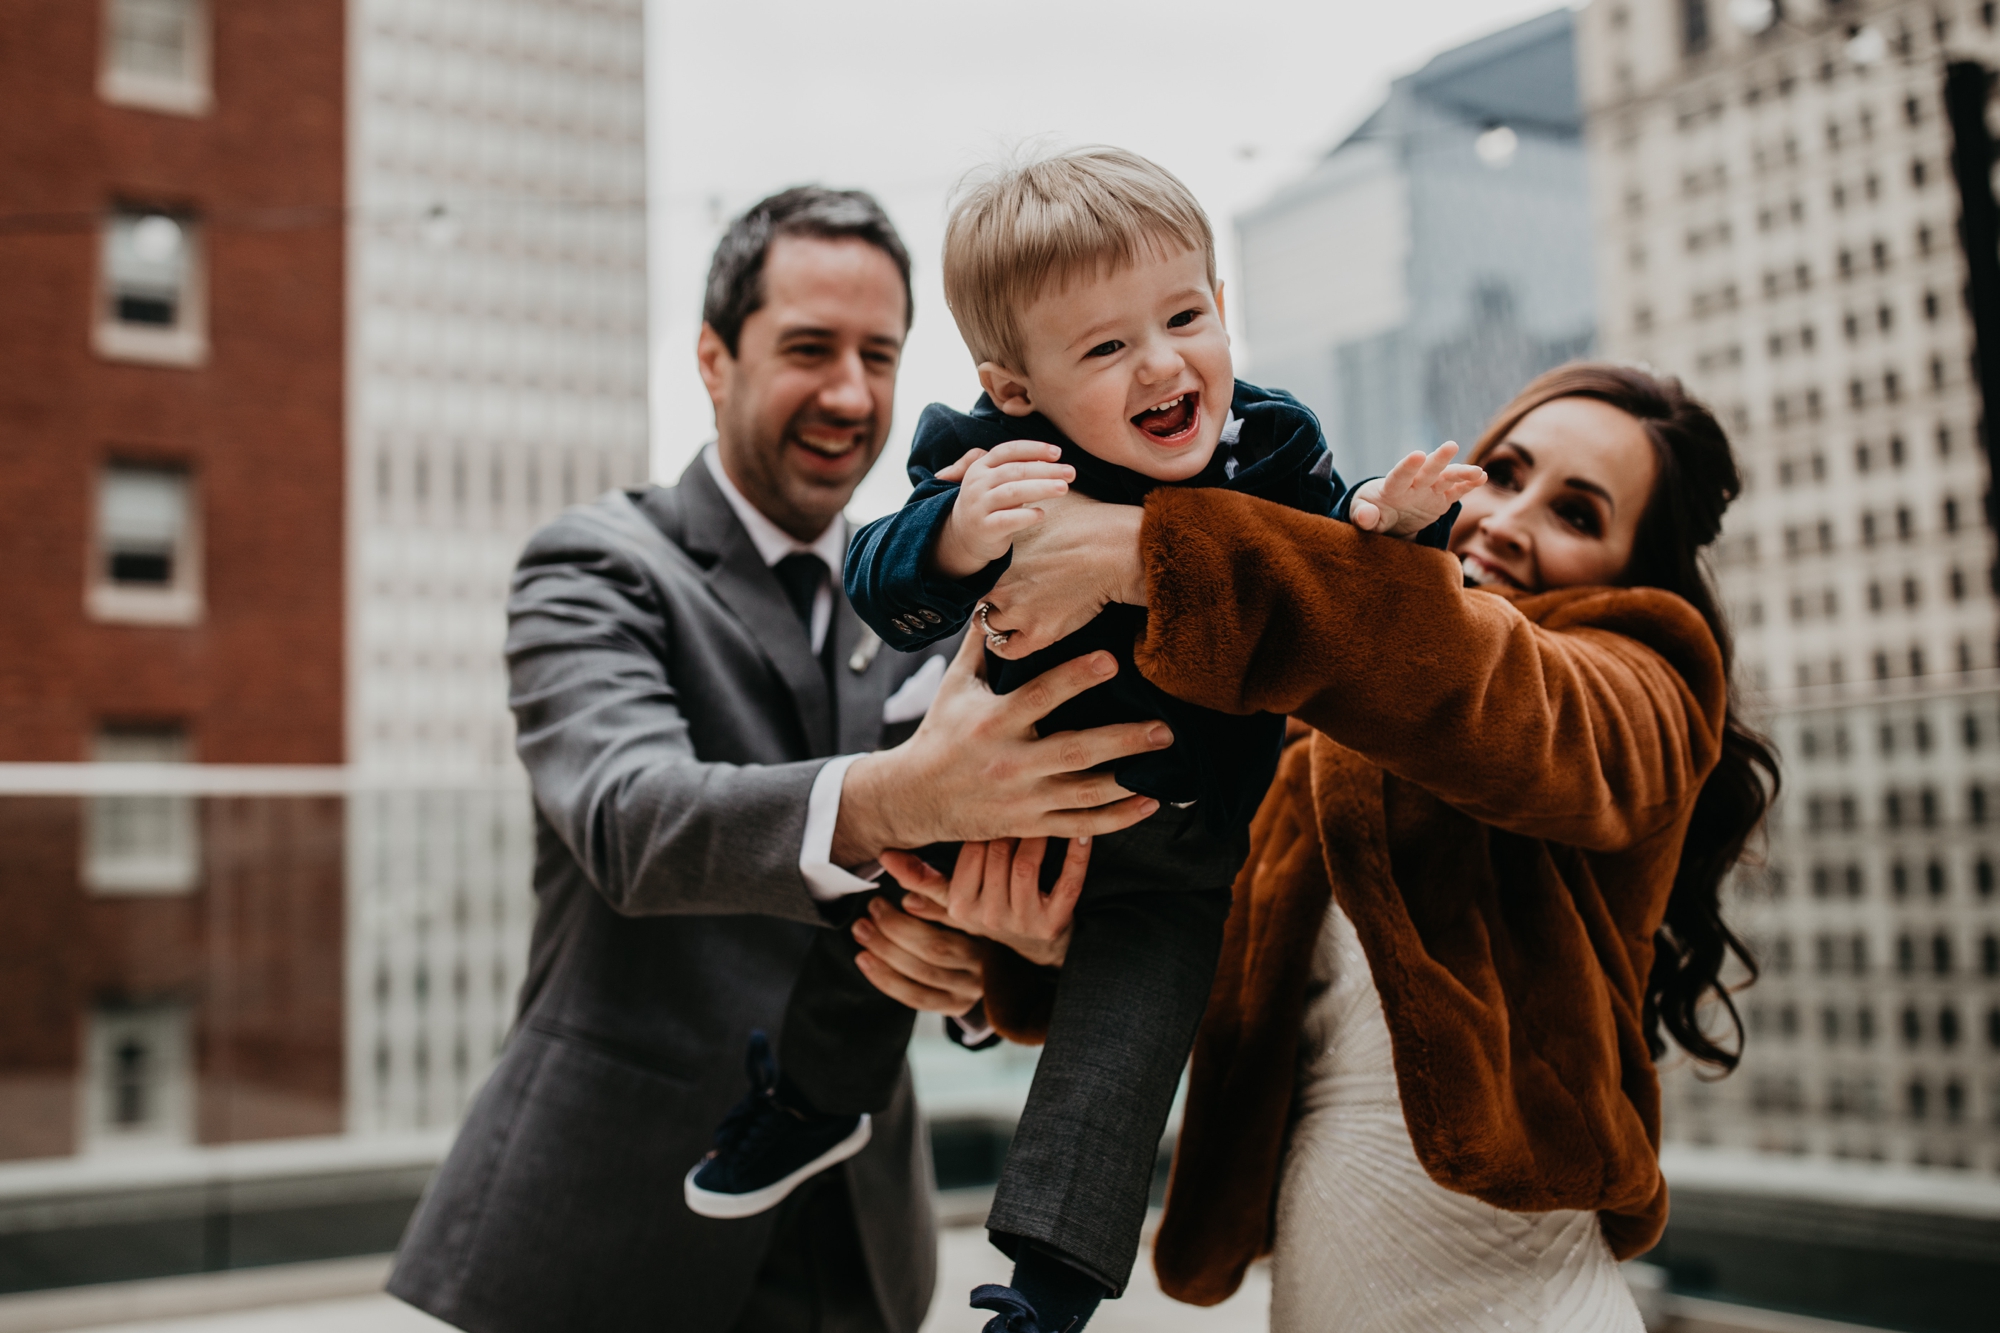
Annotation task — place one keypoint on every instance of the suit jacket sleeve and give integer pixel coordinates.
(602, 730)
(1591, 728)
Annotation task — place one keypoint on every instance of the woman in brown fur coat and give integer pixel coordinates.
(1480, 889)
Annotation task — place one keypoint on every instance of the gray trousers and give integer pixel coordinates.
(1133, 989)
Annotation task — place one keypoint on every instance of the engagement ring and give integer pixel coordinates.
(995, 638)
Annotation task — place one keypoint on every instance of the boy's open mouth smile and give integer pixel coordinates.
(1174, 421)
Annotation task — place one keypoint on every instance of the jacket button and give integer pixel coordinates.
(932, 616)
(901, 625)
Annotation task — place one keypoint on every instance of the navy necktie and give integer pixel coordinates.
(800, 574)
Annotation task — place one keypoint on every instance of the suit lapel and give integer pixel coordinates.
(862, 692)
(744, 584)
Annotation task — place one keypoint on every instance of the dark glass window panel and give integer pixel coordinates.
(150, 567)
(154, 310)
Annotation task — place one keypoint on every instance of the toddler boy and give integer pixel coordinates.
(1084, 285)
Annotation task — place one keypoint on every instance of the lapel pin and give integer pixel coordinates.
(864, 652)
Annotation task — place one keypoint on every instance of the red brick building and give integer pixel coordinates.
(172, 471)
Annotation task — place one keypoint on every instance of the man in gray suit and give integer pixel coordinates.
(697, 705)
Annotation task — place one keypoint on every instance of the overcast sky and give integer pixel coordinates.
(901, 97)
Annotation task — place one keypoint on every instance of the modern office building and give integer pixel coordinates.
(1434, 260)
(1777, 221)
(316, 311)
(496, 372)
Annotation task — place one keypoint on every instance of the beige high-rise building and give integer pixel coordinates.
(496, 373)
(1776, 222)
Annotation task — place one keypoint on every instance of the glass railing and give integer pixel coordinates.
(245, 1009)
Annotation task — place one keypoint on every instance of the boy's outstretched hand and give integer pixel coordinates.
(997, 490)
(1416, 493)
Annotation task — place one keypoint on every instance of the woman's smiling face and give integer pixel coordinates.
(1564, 493)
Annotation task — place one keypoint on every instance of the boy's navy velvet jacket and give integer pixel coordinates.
(1274, 451)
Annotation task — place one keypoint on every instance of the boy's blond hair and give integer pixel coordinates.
(1026, 228)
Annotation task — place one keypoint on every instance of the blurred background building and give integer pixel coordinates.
(1437, 258)
(316, 312)
(1776, 219)
(173, 476)
(496, 371)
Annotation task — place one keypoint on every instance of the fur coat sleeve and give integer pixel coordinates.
(1496, 795)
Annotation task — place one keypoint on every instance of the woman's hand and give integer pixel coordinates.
(928, 967)
(995, 891)
(1083, 555)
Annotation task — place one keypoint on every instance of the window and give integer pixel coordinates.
(138, 1077)
(146, 565)
(152, 306)
(1694, 25)
(141, 843)
(156, 56)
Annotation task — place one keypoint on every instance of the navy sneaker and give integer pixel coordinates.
(1012, 1313)
(769, 1145)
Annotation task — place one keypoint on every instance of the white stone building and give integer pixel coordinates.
(1776, 222)
(1437, 258)
(497, 372)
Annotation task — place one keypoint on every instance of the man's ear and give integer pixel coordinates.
(712, 356)
(1008, 390)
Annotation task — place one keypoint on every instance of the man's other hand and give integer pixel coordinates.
(927, 967)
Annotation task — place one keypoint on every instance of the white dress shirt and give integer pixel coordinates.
(773, 543)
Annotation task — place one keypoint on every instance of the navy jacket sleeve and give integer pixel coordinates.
(893, 592)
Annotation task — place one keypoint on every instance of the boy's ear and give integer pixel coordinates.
(1221, 312)
(1008, 390)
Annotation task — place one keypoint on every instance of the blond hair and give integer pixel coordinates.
(1024, 228)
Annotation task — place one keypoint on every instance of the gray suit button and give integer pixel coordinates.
(932, 616)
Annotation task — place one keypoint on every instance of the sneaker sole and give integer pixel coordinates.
(725, 1207)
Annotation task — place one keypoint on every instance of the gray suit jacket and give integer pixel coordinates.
(672, 718)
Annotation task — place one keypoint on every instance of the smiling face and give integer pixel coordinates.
(802, 409)
(1564, 493)
(1131, 363)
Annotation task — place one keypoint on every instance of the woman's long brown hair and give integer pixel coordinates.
(1697, 480)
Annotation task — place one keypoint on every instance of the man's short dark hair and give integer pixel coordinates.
(736, 275)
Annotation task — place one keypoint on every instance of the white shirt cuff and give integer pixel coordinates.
(968, 1035)
(826, 881)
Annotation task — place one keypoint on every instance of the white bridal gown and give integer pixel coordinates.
(1368, 1243)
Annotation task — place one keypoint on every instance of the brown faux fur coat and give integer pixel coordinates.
(1496, 794)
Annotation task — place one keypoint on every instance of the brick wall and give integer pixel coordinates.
(256, 948)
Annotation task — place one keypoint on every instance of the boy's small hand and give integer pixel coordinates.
(997, 492)
(1417, 492)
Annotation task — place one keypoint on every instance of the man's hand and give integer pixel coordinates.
(1415, 494)
(929, 967)
(997, 493)
(1080, 558)
(995, 891)
(975, 770)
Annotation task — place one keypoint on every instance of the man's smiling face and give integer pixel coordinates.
(803, 407)
(1132, 364)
